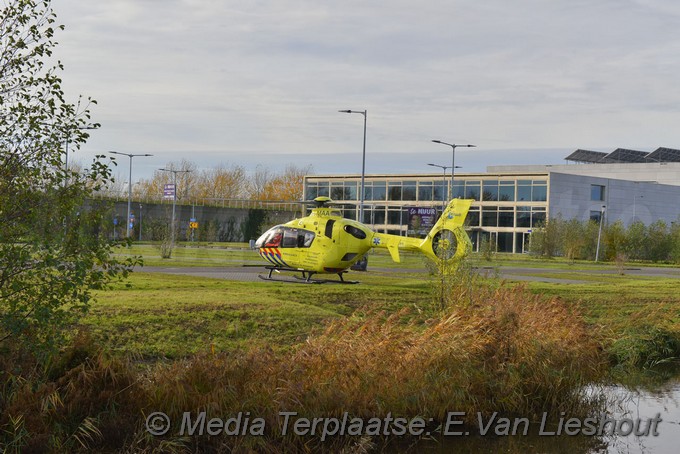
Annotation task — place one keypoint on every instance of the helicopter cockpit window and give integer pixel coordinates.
(270, 238)
(297, 238)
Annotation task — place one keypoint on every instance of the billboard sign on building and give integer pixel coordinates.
(421, 220)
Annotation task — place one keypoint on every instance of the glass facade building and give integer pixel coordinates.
(505, 209)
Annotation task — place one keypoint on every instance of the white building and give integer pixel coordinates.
(512, 200)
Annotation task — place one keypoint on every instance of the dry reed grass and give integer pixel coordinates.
(492, 350)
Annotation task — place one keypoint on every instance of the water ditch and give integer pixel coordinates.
(641, 417)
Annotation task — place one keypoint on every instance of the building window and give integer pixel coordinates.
(440, 190)
(323, 190)
(490, 190)
(504, 241)
(506, 191)
(458, 190)
(350, 191)
(311, 192)
(596, 192)
(425, 191)
(337, 191)
(596, 216)
(537, 216)
(379, 191)
(472, 190)
(523, 216)
(506, 217)
(539, 194)
(395, 215)
(472, 219)
(394, 192)
(408, 190)
(524, 190)
(489, 216)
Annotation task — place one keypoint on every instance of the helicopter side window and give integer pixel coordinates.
(355, 232)
(297, 238)
(290, 238)
(307, 238)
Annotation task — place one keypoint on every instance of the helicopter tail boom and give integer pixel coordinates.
(446, 241)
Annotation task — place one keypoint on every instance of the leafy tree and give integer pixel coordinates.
(658, 241)
(573, 238)
(546, 238)
(635, 241)
(221, 182)
(614, 240)
(286, 185)
(675, 241)
(53, 248)
(187, 180)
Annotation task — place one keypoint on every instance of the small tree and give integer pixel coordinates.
(546, 238)
(53, 247)
(635, 241)
(573, 239)
(614, 241)
(658, 241)
(675, 241)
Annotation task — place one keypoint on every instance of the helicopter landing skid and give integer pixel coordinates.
(306, 277)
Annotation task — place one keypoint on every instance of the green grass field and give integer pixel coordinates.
(163, 315)
(170, 316)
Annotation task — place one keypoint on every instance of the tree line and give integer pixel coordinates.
(577, 240)
(217, 183)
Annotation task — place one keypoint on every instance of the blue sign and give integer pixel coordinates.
(115, 221)
(192, 220)
(169, 191)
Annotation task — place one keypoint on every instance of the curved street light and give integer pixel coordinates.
(453, 159)
(129, 210)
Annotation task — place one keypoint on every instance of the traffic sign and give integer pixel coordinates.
(193, 225)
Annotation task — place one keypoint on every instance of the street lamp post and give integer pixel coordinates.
(635, 197)
(599, 233)
(453, 159)
(174, 202)
(444, 181)
(129, 207)
(363, 163)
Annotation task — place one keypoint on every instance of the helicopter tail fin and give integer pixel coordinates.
(446, 241)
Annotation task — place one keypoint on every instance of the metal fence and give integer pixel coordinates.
(275, 205)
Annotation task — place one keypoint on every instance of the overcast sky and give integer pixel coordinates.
(261, 81)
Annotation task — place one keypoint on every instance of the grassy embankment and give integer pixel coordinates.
(238, 346)
(217, 314)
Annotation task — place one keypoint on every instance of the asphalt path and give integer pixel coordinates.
(250, 273)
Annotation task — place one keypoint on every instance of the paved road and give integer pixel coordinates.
(240, 273)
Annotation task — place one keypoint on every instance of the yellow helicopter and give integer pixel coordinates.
(326, 243)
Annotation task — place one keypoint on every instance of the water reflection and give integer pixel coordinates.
(641, 400)
(647, 403)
